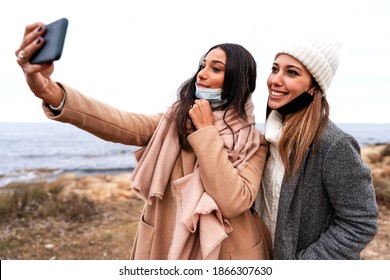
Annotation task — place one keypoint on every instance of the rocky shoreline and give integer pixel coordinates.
(95, 217)
(377, 157)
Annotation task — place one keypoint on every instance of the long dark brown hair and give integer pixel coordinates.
(239, 83)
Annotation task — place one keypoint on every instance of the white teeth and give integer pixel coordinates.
(277, 93)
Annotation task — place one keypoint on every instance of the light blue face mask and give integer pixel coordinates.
(213, 95)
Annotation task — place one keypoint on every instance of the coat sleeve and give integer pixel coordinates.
(233, 191)
(104, 121)
(348, 183)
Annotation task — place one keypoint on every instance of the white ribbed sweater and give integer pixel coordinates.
(268, 199)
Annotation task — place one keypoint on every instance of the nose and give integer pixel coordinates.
(202, 74)
(276, 78)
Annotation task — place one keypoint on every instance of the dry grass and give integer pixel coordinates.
(38, 222)
(42, 200)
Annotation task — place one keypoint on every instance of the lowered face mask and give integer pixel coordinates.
(298, 103)
(213, 95)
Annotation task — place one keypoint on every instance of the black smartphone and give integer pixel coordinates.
(54, 42)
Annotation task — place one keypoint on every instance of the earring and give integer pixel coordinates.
(312, 91)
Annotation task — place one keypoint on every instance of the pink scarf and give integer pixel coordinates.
(196, 210)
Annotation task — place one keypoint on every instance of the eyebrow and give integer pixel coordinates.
(290, 66)
(215, 61)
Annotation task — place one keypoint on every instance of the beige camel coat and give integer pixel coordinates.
(233, 191)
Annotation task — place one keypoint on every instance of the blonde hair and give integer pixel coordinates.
(301, 130)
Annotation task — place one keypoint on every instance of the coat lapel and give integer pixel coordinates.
(289, 212)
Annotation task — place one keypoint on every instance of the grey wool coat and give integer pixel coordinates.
(328, 209)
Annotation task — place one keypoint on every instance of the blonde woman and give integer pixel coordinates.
(316, 194)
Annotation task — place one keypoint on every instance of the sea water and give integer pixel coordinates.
(31, 151)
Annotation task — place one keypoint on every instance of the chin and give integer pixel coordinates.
(274, 106)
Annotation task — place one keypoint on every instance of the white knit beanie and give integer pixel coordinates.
(320, 56)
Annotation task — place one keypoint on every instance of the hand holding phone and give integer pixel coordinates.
(54, 38)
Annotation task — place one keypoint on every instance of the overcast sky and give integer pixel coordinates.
(135, 54)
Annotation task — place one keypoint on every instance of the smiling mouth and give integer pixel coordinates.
(274, 93)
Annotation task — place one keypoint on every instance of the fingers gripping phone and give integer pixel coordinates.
(54, 43)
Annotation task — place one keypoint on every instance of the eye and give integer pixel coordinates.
(216, 70)
(292, 72)
(274, 69)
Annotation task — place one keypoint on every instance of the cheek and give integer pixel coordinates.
(303, 85)
(297, 89)
(219, 82)
(269, 81)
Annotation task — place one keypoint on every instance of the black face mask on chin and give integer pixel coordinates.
(298, 103)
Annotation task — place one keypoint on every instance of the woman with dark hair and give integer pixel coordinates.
(200, 164)
(239, 61)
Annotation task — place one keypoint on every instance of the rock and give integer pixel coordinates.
(386, 160)
(98, 188)
(386, 171)
(372, 154)
(67, 177)
(377, 158)
(49, 246)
